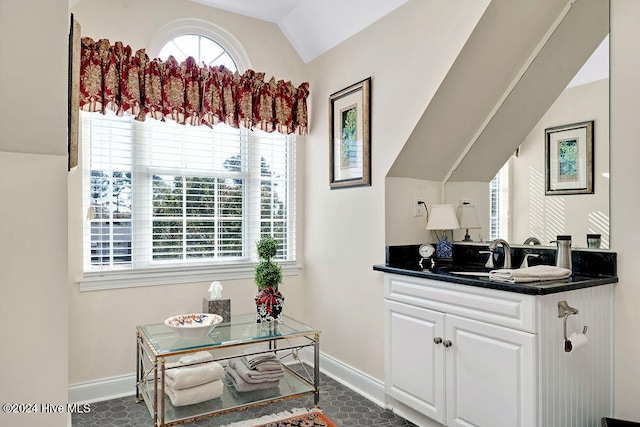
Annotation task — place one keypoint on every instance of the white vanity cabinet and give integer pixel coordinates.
(464, 356)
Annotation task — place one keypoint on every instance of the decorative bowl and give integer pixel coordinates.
(194, 325)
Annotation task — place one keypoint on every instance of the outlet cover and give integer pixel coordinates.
(418, 208)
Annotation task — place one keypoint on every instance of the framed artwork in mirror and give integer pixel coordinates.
(569, 159)
(350, 136)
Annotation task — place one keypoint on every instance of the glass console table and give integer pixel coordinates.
(158, 346)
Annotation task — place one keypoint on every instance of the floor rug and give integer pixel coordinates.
(296, 418)
(311, 419)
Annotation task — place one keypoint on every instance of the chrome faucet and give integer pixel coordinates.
(507, 253)
(532, 240)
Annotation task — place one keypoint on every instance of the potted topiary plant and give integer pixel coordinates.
(269, 300)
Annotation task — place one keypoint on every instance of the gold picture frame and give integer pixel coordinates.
(350, 136)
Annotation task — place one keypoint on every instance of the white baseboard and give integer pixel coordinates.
(124, 385)
(104, 389)
(361, 383)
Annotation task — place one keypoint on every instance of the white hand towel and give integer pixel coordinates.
(536, 273)
(193, 395)
(191, 376)
(199, 357)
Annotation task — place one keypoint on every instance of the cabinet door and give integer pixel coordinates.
(490, 375)
(414, 362)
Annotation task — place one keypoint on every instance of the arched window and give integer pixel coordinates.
(202, 49)
(184, 31)
(191, 200)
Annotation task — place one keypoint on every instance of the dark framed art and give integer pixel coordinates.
(569, 159)
(73, 93)
(350, 136)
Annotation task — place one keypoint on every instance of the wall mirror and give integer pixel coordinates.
(567, 82)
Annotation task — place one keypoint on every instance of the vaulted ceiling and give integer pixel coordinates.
(312, 26)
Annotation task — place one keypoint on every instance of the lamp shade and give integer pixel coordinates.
(442, 217)
(468, 216)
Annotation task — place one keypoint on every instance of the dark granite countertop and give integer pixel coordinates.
(576, 281)
(591, 268)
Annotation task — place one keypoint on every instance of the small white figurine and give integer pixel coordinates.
(216, 290)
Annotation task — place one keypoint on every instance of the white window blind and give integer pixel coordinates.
(168, 195)
(499, 204)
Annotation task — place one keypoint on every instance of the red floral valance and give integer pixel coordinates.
(112, 77)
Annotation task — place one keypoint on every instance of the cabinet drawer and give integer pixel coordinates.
(502, 308)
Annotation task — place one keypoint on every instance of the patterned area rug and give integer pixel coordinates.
(312, 419)
(298, 417)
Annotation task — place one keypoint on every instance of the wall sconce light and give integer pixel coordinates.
(468, 219)
(443, 217)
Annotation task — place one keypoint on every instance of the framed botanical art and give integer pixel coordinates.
(569, 159)
(350, 136)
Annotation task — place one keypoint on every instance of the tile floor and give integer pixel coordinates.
(341, 404)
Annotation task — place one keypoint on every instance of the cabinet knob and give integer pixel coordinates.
(447, 343)
(437, 340)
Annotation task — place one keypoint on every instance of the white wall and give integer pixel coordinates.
(625, 202)
(102, 323)
(33, 208)
(406, 54)
(401, 226)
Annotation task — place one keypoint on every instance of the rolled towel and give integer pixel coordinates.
(253, 376)
(193, 395)
(536, 273)
(243, 386)
(191, 376)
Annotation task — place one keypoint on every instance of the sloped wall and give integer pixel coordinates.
(625, 202)
(33, 208)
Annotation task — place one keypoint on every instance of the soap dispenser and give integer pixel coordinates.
(563, 252)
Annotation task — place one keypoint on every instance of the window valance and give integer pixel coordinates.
(112, 77)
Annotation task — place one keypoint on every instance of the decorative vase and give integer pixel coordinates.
(269, 303)
(444, 248)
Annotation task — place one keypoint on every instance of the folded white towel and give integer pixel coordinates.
(191, 376)
(243, 386)
(253, 376)
(199, 357)
(530, 274)
(193, 395)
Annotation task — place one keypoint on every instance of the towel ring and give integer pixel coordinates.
(564, 311)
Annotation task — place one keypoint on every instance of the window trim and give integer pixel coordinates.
(104, 280)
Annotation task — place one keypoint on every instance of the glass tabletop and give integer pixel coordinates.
(242, 329)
